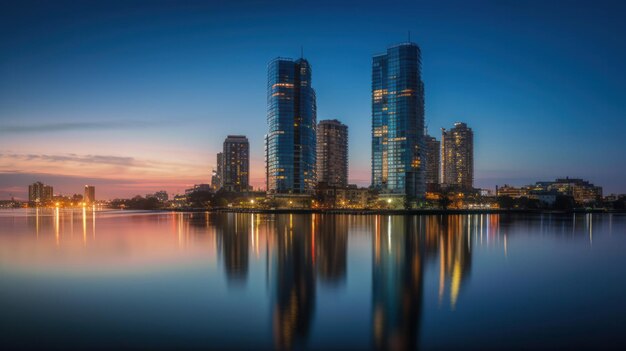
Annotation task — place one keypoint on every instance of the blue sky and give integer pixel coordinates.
(136, 96)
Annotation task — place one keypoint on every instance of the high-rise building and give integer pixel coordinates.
(236, 163)
(332, 153)
(218, 173)
(291, 117)
(39, 192)
(433, 147)
(457, 157)
(90, 194)
(398, 166)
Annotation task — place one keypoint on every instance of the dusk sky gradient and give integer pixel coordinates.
(138, 96)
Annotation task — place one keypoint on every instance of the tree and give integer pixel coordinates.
(200, 198)
(505, 202)
(444, 201)
(564, 202)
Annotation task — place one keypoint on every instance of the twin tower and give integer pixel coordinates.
(398, 138)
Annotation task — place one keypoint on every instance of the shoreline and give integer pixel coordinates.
(399, 212)
(369, 211)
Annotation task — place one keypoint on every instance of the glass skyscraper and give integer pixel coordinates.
(398, 165)
(291, 116)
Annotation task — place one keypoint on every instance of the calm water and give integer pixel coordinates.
(180, 280)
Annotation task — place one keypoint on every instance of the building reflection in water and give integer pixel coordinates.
(299, 249)
(294, 295)
(402, 247)
(397, 281)
(234, 240)
(331, 247)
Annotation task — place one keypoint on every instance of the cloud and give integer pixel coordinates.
(109, 166)
(84, 159)
(103, 160)
(74, 126)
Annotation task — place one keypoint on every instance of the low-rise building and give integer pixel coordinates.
(511, 191)
(349, 196)
(199, 187)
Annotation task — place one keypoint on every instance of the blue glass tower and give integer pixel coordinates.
(291, 117)
(398, 141)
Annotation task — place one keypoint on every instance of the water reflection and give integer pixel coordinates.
(417, 262)
(294, 280)
(397, 281)
(233, 238)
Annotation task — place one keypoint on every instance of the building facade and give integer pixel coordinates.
(433, 148)
(89, 194)
(581, 190)
(349, 196)
(291, 117)
(39, 193)
(398, 166)
(236, 163)
(218, 172)
(332, 153)
(457, 157)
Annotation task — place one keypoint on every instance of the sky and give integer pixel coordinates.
(138, 96)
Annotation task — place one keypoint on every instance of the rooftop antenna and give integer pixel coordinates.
(409, 36)
(301, 52)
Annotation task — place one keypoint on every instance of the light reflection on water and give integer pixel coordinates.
(293, 281)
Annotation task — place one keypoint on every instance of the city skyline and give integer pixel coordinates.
(531, 115)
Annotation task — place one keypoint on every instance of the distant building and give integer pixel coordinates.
(511, 191)
(291, 117)
(218, 173)
(349, 196)
(180, 201)
(332, 153)
(398, 166)
(90, 194)
(236, 163)
(433, 148)
(199, 188)
(581, 190)
(457, 157)
(39, 193)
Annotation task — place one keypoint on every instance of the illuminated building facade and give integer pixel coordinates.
(236, 163)
(218, 173)
(90, 194)
(457, 157)
(398, 122)
(582, 191)
(433, 147)
(39, 192)
(291, 117)
(332, 153)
